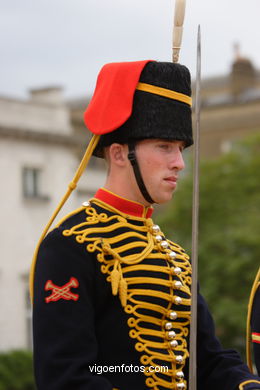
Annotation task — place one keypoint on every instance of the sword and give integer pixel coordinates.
(179, 14)
(195, 226)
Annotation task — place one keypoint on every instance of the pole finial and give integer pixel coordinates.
(179, 13)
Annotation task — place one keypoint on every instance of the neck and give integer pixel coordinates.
(126, 188)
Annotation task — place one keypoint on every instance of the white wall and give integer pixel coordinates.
(23, 219)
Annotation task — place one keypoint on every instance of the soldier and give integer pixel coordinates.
(254, 322)
(111, 292)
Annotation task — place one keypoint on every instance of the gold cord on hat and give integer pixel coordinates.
(164, 92)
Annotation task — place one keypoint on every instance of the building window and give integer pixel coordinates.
(31, 181)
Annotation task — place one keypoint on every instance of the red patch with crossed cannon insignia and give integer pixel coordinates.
(61, 292)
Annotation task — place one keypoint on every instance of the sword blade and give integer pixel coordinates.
(195, 225)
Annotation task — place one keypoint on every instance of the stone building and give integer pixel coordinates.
(39, 154)
(230, 107)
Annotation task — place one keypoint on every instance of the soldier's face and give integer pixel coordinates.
(160, 162)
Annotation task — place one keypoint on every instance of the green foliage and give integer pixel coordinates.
(16, 371)
(229, 245)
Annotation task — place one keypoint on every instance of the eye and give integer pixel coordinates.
(164, 146)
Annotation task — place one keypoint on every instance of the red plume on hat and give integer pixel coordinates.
(112, 102)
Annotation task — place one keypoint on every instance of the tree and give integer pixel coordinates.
(16, 371)
(229, 245)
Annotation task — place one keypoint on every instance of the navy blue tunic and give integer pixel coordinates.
(136, 337)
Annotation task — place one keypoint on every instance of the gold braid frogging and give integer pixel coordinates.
(116, 266)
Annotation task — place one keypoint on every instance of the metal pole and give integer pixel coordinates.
(195, 226)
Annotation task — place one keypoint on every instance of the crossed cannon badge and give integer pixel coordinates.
(61, 292)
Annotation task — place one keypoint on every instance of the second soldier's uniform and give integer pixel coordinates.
(254, 312)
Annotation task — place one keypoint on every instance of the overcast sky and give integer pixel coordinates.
(65, 42)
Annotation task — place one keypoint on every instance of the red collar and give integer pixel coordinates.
(124, 205)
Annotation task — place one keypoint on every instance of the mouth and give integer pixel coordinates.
(172, 181)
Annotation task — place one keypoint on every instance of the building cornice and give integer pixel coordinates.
(19, 134)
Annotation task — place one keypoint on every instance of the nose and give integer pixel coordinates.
(177, 161)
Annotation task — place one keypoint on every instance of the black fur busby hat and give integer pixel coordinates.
(161, 107)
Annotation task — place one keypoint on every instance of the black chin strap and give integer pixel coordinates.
(138, 176)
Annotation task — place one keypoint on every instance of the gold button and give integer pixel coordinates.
(176, 270)
(171, 334)
(155, 229)
(168, 325)
(179, 375)
(177, 284)
(164, 244)
(174, 343)
(172, 255)
(179, 359)
(178, 300)
(173, 315)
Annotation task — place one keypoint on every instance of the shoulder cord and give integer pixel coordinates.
(71, 187)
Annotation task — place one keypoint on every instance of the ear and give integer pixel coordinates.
(118, 154)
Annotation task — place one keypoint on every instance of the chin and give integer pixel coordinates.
(163, 199)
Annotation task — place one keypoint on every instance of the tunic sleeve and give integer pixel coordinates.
(65, 344)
